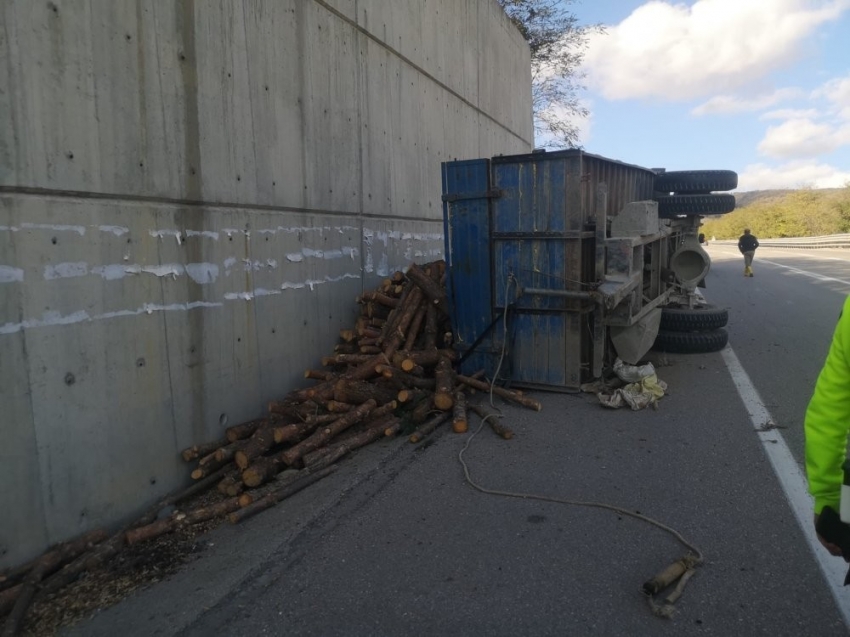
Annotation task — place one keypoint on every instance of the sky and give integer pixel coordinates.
(761, 87)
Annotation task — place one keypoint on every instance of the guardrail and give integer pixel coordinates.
(809, 243)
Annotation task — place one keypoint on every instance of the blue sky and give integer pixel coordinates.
(761, 87)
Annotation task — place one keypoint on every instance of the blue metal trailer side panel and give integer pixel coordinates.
(466, 218)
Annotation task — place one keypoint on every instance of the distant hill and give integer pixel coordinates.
(744, 199)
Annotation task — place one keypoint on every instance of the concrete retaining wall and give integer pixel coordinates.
(191, 196)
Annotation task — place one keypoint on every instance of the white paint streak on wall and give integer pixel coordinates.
(80, 230)
(112, 272)
(8, 274)
(158, 234)
(50, 319)
(202, 233)
(116, 230)
(297, 229)
(202, 273)
(298, 257)
(65, 270)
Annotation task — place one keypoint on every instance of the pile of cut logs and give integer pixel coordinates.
(392, 372)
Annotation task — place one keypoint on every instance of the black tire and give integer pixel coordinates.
(691, 342)
(685, 319)
(674, 205)
(696, 181)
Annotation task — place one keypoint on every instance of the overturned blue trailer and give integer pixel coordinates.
(560, 262)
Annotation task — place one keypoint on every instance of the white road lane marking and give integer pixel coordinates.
(791, 479)
(813, 275)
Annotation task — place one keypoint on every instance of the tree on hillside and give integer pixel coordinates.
(557, 42)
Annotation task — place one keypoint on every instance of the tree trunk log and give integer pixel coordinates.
(407, 361)
(245, 430)
(493, 420)
(398, 335)
(404, 378)
(358, 392)
(293, 432)
(427, 428)
(256, 446)
(444, 377)
(336, 407)
(330, 454)
(44, 566)
(318, 374)
(263, 470)
(276, 496)
(415, 327)
(499, 391)
(460, 422)
(198, 451)
(429, 287)
(320, 437)
(8, 598)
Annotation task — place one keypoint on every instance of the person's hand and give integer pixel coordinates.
(829, 546)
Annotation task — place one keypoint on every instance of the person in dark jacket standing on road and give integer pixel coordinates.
(747, 244)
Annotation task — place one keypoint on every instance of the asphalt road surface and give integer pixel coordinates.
(397, 542)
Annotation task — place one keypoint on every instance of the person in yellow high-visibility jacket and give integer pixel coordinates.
(828, 424)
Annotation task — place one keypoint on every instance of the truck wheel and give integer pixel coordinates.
(691, 342)
(671, 206)
(696, 181)
(685, 319)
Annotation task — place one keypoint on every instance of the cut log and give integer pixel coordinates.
(255, 446)
(444, 377)
(321, 419)
(345, 348)
(198, 451)
(226, 453)
(398, 334)
(460, 423)
(500, 391)
(412, 396)
(348, 335)
(269, 500)
(345, 359)
(429, 333)
(262, 470)
(407, 361)
(369, 349)
(493, 420)
(239, 432)
(404, 378)
(427, 428)
(207, 466)
(321, 437)
(166, 525)
(293, 432)
(429, 287)
(44, 566)
(422, 410)
(380, 298)
(336, 407)
(230, 485)
(318, 374)
(358, 392)
(330, 454)
(392, 320)
(8, 598)
(415, 327)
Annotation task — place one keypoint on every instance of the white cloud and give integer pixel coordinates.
(803, 138)
(735, 104)
(791, 175)
(791, 113)
(837, 93)
(678, 52)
